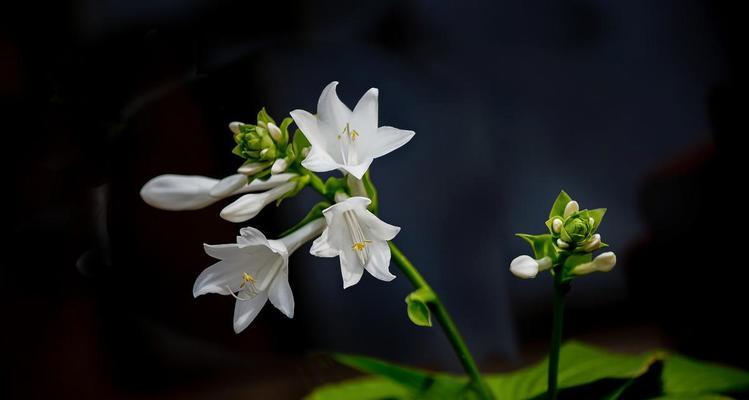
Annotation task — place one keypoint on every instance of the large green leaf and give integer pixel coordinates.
(682, 375)
(368, 388)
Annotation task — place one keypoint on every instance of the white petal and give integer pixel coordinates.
(376, 228)
(358, 170)
(280, 294)
(364, 117)
(223, 251)
(318, 160)
(330, 109)
(249, 236)
(228, 185)
(178, 192)
(223, 277)
(244, 208)
(379, 261)
(524, 267)
(274, 181)
(351, 269)
(245, 311)
(352, 203)
(321, 247)
(385, 140)
(307, 123)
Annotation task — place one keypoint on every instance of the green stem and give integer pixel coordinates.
(447, 323)
(560, 291)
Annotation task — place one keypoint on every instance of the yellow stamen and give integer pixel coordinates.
(247, 278)
(359, 246)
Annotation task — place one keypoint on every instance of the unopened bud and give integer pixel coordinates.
(592, 221)
(571, 208)
(593, 243)
(279, 166)
(603, 263)
(275, 132)
(234, 127)
(556, 225)
(305, 151)
(524, 267)
(251, 168)
(562, 244)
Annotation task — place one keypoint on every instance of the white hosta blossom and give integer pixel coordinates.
(359, 238)
(250, 205)
(604, 262)
(344, 139)
(192, 192)
(526, 267)
(254, 270)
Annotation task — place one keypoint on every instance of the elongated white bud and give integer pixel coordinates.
(562, 244)
(603, 263)
(556, 225)
(279, 166)
(234, 127)
(251, 168)
(593, 243)
(249, 205)
(571, 208)
(228, 185)
(544, 263)
(275, 132)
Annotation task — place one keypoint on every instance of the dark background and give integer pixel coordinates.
(636, 106)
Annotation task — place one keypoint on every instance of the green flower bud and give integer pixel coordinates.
(577, 228)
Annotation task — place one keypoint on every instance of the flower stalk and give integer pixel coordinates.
(561, 289)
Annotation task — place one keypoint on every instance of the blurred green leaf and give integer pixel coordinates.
(682, 375)
(367, 388)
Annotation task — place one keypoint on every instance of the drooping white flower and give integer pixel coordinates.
(191, 192)
(344, 139)
(254, 270)
(526, 267)
(359, 238)
(250, 205)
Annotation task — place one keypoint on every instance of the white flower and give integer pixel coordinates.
(183, 192)
(345, 139)
(250, 205)
(526, 267)
(605, 262)
(359, 238)
(254, 270)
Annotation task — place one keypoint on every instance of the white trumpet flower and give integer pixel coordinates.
(603, 263)
(526, 267)
(191, 192)
(359, 238)
(254, 270)
(344, 139)
(250, 205)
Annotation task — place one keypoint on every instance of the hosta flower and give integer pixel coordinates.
(526, 267)
(359, 238)
(344, 139)
(190, 192)
(254, 270)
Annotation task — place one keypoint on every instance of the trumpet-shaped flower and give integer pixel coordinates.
(344, 139)
(359, 238)
(190, 192)
(254, 270)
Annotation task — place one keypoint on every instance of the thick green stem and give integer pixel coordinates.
(560, 291)
(447, 323)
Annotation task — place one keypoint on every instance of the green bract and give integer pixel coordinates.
(576, 228)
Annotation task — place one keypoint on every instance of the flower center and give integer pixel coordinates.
(346, 141)
(249, 288)
(359, 242)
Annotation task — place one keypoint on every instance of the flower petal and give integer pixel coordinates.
(307, 123)
(358, 170)
(245, 311)
(352, 203)
(321, 247)
(330, 109)
(351, 269)
(364, 116)
(178, 192)
(228, 185)
(223, 277)
(376, 228)
(318, 160)
(244, 208)
(249, 236)
(280, 294)
(378, 264)
(274, 181)
(386, 140)
(223, 251)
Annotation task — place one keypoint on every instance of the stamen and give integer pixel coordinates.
(359, 242)
(359, 246)
(248, 285)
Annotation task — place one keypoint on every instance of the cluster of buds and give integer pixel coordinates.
(264, 146)
(567, 248)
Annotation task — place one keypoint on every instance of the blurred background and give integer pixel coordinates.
(635, 106)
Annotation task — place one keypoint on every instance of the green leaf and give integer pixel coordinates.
(579, 365)
(367, 388)
(423, 384)
(313, 214)
(542, 245)
(300, 142)
(263, 116)
(597, 216)
(557, 209)
(682, 375)
(418, 306)
(285, 130)
(693, 397)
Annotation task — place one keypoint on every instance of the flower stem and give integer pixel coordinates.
(560, 291)
(447, 323)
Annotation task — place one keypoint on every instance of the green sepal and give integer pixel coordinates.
(301, 181)
(314, 213)
(418, 306)
(299, 143)
(557, 209)
(285, 130)
(542, 245)
(333, 185)
(597, 216)
(262, 116)
(371, 193)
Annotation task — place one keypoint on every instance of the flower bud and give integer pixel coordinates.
(524, 267)
(252, 168)
(562, 244)
(279, 166)
(234, 127)
(603, 263)
(275, 132)
(576, 229)
(593, 243)
(571, 208)
(556, 225)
